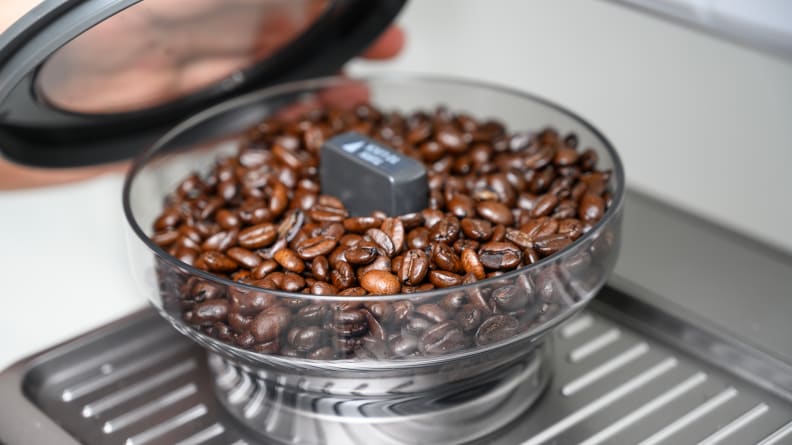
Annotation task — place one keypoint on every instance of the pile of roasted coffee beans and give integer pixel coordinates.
(498, 202)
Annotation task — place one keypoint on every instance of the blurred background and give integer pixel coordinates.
(702, 122)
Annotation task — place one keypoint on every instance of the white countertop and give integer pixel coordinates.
(63, 264)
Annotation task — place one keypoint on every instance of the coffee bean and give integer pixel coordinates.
(320, 268)
(263, 269)
(591, 207)
(496, 328)
(342, 276)
(471, 263)
(361, 255)
(544, 205)
(445, 230)
(418, 238)
(477, 229)
(289, 260)
(394, 228)
(268, 324)
(257, 236)
(461, 206)
(244, 257)
(469, 317)
(403, 345)
(350, 323)
(509, 297)
(495, 212)
(550, 244)
(520, 238)
(380, 282)
(305, 338)
(432, 312)
(442, 278)
(383, 241)
(445, 258)
(210, 311)
(217, 262)
(442, 338)
(359, 224)
(500, 255)
(414, 267)
(316, 246)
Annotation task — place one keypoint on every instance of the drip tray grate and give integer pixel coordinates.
(139, 382)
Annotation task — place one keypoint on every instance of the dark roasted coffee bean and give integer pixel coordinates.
(544, 205)
(383, 241)
(495, 212)
(469, 317)
(418, 238)
(268, 324)
(168, 219)
(257, 236)
(394, 228)
(588, 159)
(323, 288)
(323, 353)
(244, 257)
(445, 258)
(540, 227)
(591, 207)
(379, 282)
(500, 255)
(442, 338)
(361, 255)
(411, 220)
(432, 312)
(520, 238)
(540, 158)
(316, 246)
(445, 230)
(320, 268)
(403, 345)
(496, 328)
(289, 260)
(217, 262)
(342, 276)
(220, 241)
(476, 229)
(165, 238)
(359, 224)
(509, 297)
(452, 302)
(402, 310)
(471, 263)
(442, 278)
(210, 312)
(570, 227)
(263, 269)
(292, 282)
(350, 323)
(414, 267)
(550, 244)
(313, 314)
(353, 292)
(305, 338)
(530, 256)
(461, 206)
(565, 156)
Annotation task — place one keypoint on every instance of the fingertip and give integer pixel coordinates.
(388, 45)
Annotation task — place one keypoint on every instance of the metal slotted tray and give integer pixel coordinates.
(625, 373)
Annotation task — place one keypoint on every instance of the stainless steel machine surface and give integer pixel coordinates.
(689, 344)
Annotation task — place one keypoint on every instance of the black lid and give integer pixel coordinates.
(80, 80)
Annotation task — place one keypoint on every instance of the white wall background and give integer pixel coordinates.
(699, 121)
